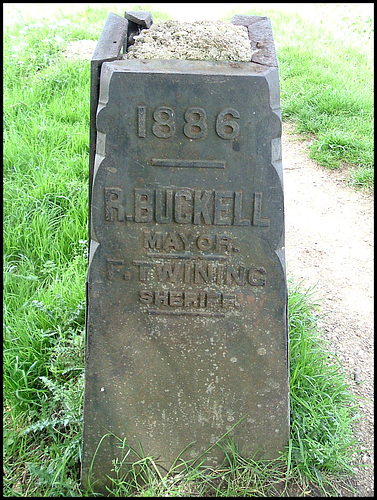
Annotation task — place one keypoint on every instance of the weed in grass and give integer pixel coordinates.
(50, 406)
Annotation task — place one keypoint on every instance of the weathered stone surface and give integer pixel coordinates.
(137, 20)
(186, 298)
(261, 38)
(108, 48)
(201, 41)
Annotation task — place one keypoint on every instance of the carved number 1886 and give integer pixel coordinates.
(196, 124)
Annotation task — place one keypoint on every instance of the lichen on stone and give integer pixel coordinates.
(198, 41)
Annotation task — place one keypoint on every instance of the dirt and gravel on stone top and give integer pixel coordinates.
(329, 245)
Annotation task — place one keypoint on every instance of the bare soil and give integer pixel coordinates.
(329, 244)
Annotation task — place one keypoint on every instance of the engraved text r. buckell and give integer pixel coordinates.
(183, 206)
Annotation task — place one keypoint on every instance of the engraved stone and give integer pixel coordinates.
(186, 333)
(136, 21)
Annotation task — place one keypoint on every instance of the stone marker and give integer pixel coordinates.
(186, 334)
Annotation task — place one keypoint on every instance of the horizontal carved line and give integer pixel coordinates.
(186, 256)
(161, 162)
(186, 313)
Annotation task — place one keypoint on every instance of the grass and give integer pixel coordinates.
(327, 85)
(46, 147)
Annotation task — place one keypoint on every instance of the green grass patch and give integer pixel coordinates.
(45, 201)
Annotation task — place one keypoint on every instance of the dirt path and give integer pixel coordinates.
(329, 243)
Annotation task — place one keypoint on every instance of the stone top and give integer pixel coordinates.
(198, 41)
